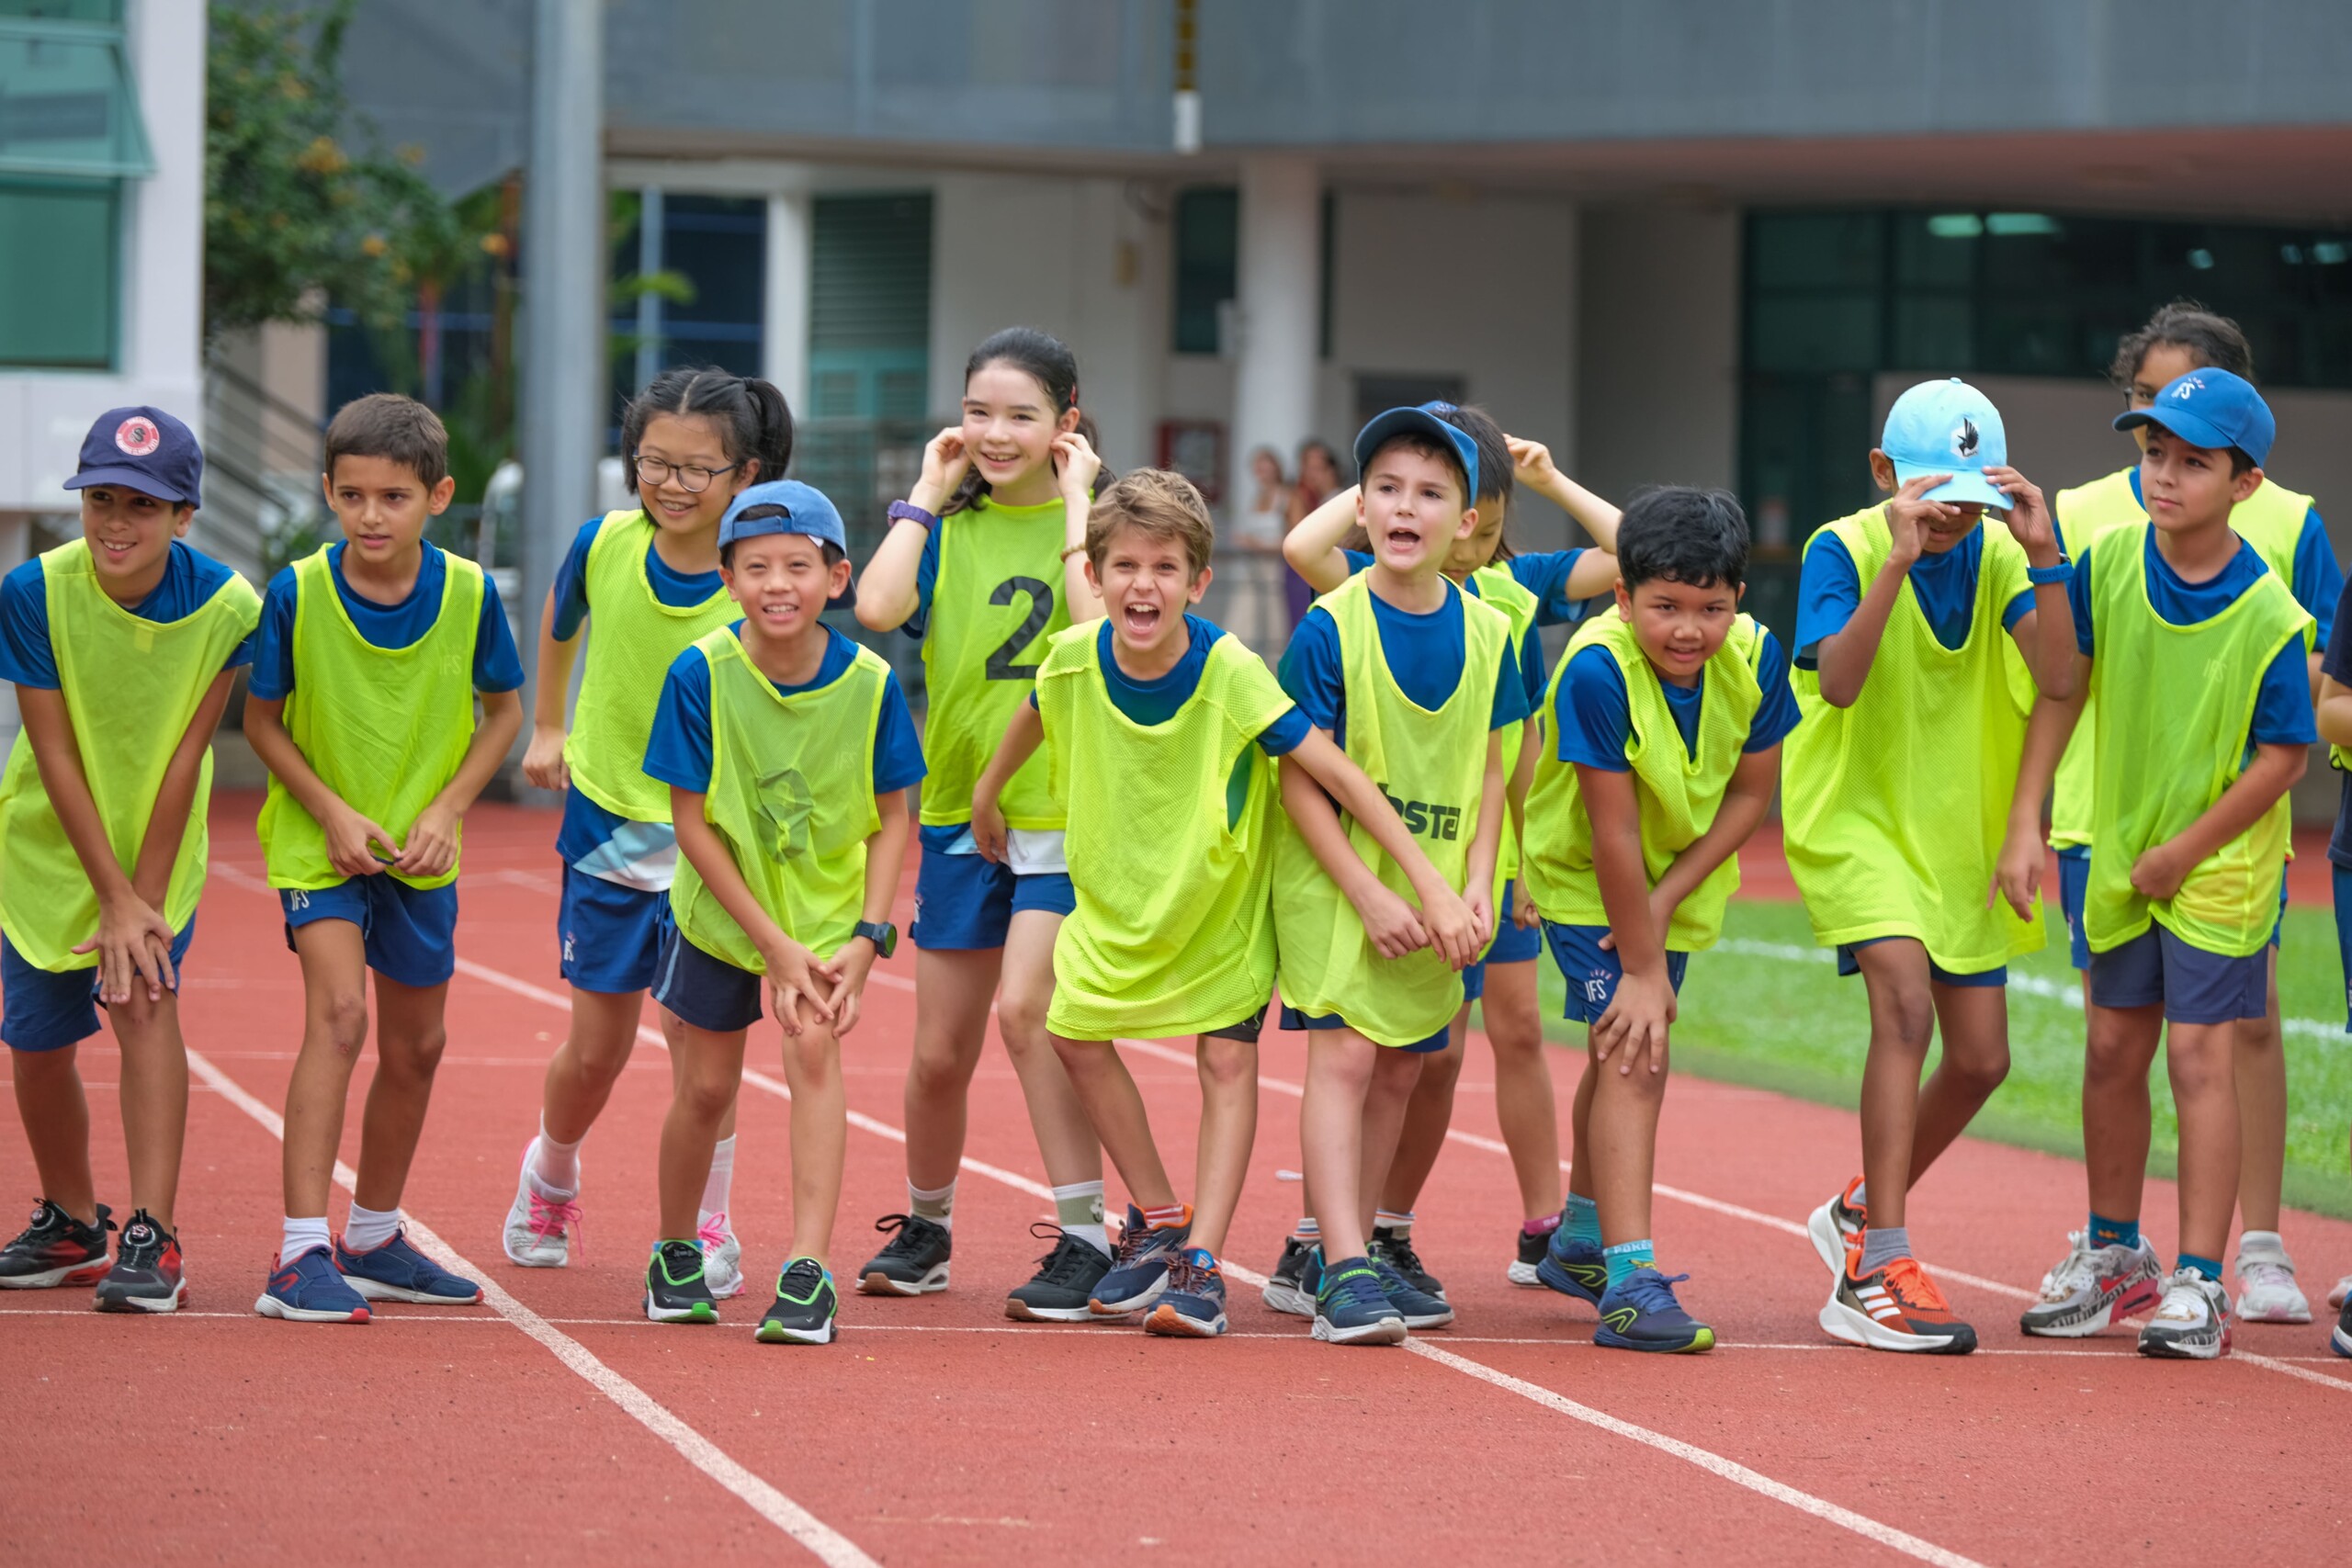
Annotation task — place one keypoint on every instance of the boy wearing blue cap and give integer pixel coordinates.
(2193, 756)
(789, 750)
(122, 645)
(1922, 638)
(371, 654)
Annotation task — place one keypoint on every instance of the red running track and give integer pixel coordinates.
(554, 1423)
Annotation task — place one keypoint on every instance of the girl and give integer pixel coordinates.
(1535, 591)
(1318, 480)
(984, 563)
(693, 439)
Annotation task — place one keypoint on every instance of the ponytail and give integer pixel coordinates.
(754, 423)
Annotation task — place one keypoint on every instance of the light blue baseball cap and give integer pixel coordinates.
(782, 506)
(1948, 427)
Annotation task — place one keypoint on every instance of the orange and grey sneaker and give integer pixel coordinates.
(1836, 1222)
(1895, 1307)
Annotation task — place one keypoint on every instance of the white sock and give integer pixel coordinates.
(722, 1176)
(369, 1229)
(1078, 1207)
(937, 1205)
(555, 1168)
(302, 1237)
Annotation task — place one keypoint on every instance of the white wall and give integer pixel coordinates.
(1659, 371)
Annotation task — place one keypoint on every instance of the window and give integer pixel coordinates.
(1208, 255)
(869, 307)
(58, 277)
(714, 250)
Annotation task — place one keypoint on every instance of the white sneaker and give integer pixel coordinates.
(538, 1232)
(2093, 1288)
(722, 1258)
(2343, 1292)
(2267, 1288)
(2193, 1324)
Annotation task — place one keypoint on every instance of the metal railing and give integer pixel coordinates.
(261, 462)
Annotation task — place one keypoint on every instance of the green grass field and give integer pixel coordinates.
(1768, 1009)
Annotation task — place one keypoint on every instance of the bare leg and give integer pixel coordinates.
(2198, 1057)
(712, 1070)
(587, 1067)
(1975, 1021)
(2116, 1117)
(335, 1029)
(1581, 1128)
(56, 1115)
(1393, 1075)
(1228, 1127)
(1902, 1022)
(409, 1039)
(1331, 1134)
(1114, 1109)
(153, 1096)
(1513, 1022)
(953, 991)
(1066, 1139)
(1427, 1117)
(2261, 1069)
(1622, 1154)
(812, 1068)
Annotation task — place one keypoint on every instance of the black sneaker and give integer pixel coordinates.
(805, 1306)
(913, 1263)
(1396, 1249)
(146, 1274)
(55, 1249)
(1530, 1259)
(675, 1291)
(1065, 1280)
(1287, 1289)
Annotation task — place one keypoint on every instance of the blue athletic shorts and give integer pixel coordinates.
(1848, 965)
(1294, 1019)
(2343, 881)
(965, 902)
(611, 934)
(410, 933)
(703, 988)
(2075, 874)
(2195, 985)
(48, 1009)
(1592, 971)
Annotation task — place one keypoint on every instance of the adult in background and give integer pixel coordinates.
(1318, 476)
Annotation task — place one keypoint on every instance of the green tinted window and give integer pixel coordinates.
(1208, 257)
(58, 273)
(109, 12)
(66, 104)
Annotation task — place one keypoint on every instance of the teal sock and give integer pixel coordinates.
(2115, 1232)
(1626, 1256)
(2208, 1267)
(1583, 1219)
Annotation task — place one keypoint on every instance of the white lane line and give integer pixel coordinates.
(827, 1544)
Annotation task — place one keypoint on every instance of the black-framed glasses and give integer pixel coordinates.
(693, 478)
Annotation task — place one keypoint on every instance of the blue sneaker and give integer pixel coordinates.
(1193, 1306)
(1573, 1268)
(1139, 1269)
(397, 1272)
(1352, 1309)
(1642, 1315)
(309, 1289)
(1419, 1308)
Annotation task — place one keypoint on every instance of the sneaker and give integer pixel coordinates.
(2341, 1340)
(1288, 1290)
(540, 1231)
(55, 1249)
(1063, 1288)
(2193, 1324)
(1193, 1305)
(1836, 1222)
(1396, 1249)
(806, 1306)
(1895, 1307)
(2267, 1288)
(1641, 1313)
(146, 1274)
(1139, 1269)
(722, 1258)
(1574, 1268)
(1531, 1248)
(311, 1290)
(2341, 1294)
(2094, 1288)
(397, 1272)
(914, 1262)
(675, 1291)
(1415, 1307)
(1352, 1309)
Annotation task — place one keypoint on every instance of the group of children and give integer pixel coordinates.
(1384, 829)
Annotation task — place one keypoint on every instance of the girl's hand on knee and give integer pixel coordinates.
(131, 939)
(793, 986)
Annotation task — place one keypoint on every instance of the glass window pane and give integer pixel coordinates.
(105, 11)
(1931, 252)
(1815, 250)
(1830, 333)
(66, 106)
(1208, 254)
(1935, 332)
(57, 274)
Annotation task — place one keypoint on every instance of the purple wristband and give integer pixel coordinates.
(912, 514)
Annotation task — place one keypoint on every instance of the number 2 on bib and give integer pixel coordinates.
(1000, 665)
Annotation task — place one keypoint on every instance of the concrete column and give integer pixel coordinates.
(783, 322)
(1276, 315)
(162, 286)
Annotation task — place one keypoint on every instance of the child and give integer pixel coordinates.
(2194, 755)
(1407, 674)
(649, 578)
(102, 841)
(2284, 529)
(1535, 591)
(2335, 725)
(984, 564)
(788, 750)
(1903, 808)
(1669, 716)
(370, 655)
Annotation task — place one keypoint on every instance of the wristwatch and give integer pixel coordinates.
(912, 514)
(883, 935)
(2048, 575)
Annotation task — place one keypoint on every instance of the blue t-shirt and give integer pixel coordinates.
(2282, 706)
(1425, 656)
(679, 589)
(1553, 607)
(1594, 717)
(679, 750)
(27, 658)
(2336, 665)
(497, 667)
(1829, 590)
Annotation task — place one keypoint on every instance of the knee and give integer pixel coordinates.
(1021, 1018)
(1229, 1063)
(1980, 1068)
(417, 1054)
(937, 1068)
(2200, 1063)
(345, 1019)
(1909, 1017)
(1438, 1072)
(813, 1058)
(705, 1095)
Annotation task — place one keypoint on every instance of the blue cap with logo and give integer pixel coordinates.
(1948, 427)
(2213, 409)
(782, 506)
(143, 449)
(1424, 421)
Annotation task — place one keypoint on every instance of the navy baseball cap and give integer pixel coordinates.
(798, 509)
(2213, 409)
(1422, 421)
(1948, 427)
(143, 449)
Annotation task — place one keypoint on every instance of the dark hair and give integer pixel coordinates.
(1495, 467)
(833, 554)
(1330, 456)
(1684, 534)
(1428, 446)
(754, 423)
(1047, 361)
(2213, 341)
(2240, 461)
(397, 429)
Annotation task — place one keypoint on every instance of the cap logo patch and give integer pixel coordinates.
(2186, 385)
(1964, 438)
(137, 436)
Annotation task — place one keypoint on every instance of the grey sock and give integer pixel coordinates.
(1882, 1244)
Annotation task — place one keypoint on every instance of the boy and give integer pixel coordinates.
(1669, 717)
(369, 656)
(102, 841)
(1903, 809)
(2193, 756)
(789, 750)
(1413, 679)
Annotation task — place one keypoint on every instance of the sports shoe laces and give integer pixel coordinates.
(556, 1219)
(1398, 1250)
(1188, 1277)
(2255, 1273)
(1133, 1239)
(2078, 1270)
(713, 1233)
(909, 1234)
(1654, 1291)
(1071, 1260)
(800, 1280)
(1909, 1283)
(681, 1261)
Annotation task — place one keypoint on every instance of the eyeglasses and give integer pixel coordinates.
(692, 477)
